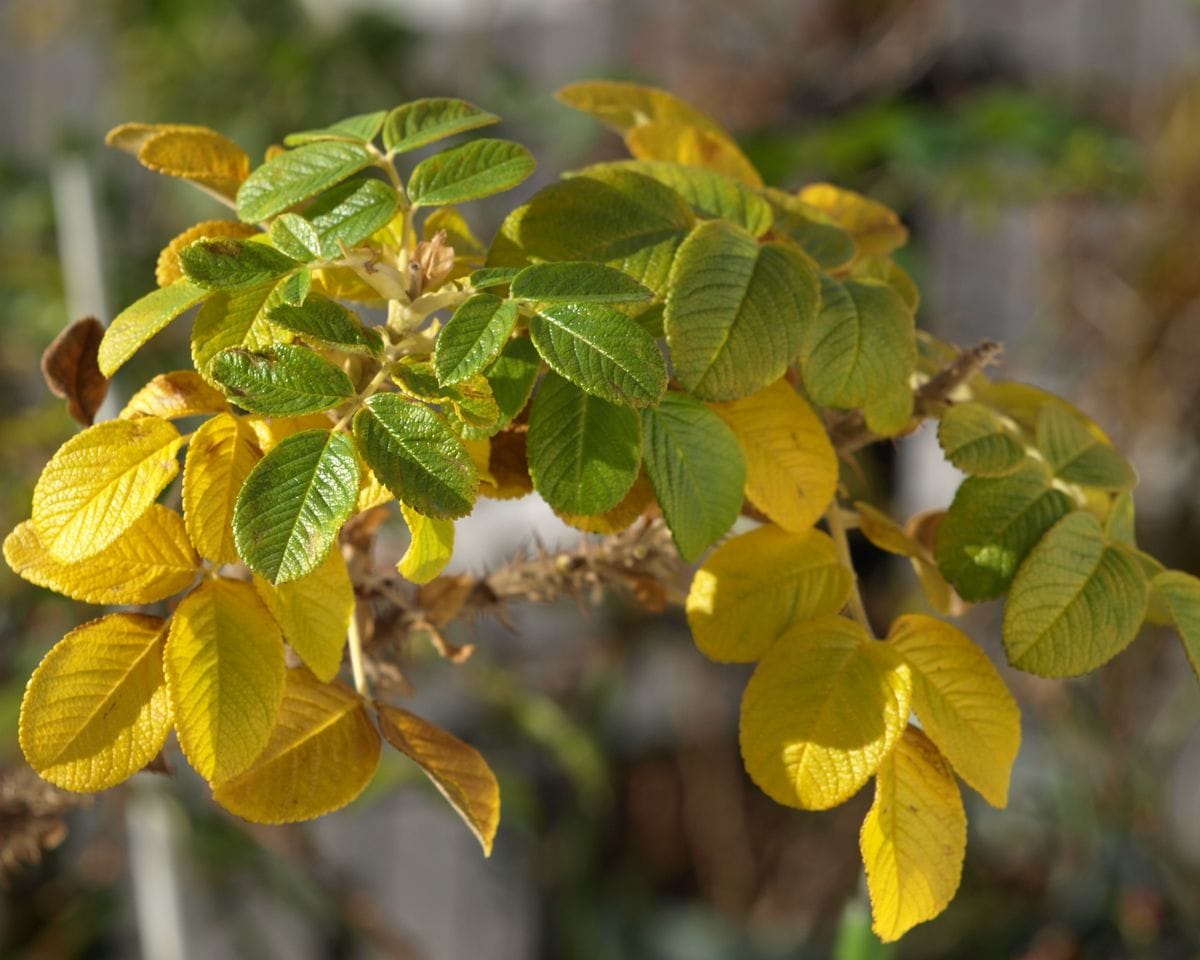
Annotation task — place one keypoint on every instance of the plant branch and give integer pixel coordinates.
(354, 641)
(837, 530)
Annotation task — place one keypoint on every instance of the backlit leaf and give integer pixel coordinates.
(327, 321)
(736, 311)
(757, 586)
(473, 336)
(692, 146)
(224, 668)
(416, 455)
(476, 169)
(431, 547)
(976, 440)
(962, 703)
(314, 613)
(284, 380)
(457, 769)
(150, 561)
(1077, 456)
(914, 838)
(350, 213)
(601, 351)
(293, 503)
(791, 469)
(95, 710)
(876, 230)
(421, 122)
(180, 393)
(885, 533)
(1075, 603)
(100, 481)
(623, 105)
(322, 753)
(697, 469)
(584, 452)
(168, 269)
(1179, 591)
(70, 369)
(361, 128)
(576, 282)
(142, 319)
(297, 175)
(822, 709)
(197, 154)
(219, 458)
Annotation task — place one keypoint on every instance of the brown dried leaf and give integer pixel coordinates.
(444, 598)
(31, 817)
(435, 258)
(72, 372)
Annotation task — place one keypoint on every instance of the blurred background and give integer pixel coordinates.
(1046, 157)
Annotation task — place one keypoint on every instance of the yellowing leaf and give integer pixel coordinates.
(197, 154)
(755, 587)
(791, 469)
(167, 271)
(150, 561)
(322, 753)
(962, 702)
(100, 481)
(270, 430)
(180, 393)
(622, 105)
(681, 143)
(220, 456)
(823, 708)
(371, 493)
(224, 667)
(314, 613)
(876, 229)
(95, 711)
(914, 837)
(884, 532)
(457, 769)
(632, 506)
(431, 548)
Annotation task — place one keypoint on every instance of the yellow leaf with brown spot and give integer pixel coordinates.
(180, 393)
(95, 710)
(322, 753)
(168, 270)
(220, 457)
(198, 154)
(824, 706)
(457, 769)
(314, 613)
(914, 837)
(100, 481)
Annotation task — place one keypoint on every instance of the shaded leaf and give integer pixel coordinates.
(976, 440)
(326, 321)
(171, 396)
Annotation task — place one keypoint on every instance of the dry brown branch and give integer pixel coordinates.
(31, 817)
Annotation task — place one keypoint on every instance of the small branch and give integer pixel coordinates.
(837, 530)
(354, 641)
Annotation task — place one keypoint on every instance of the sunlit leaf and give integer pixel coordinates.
(220, 457)
(314, 613)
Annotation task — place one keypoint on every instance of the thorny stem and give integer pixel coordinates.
(368, 391)
(837, 530)
(354, 641)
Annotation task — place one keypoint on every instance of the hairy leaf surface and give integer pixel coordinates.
(283, 380)
(476, 169)
(220, 457)
(298, 174)
(473, 336)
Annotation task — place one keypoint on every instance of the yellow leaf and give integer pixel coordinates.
(755, 587)
(100, 481)
(507, 475)
(95, 711)
(679, 143)
(197, 154)
(371, 493)
(150, 561)
(622, 105)
(322, 753)
(431, 548)
(822, 709)
(914, 837)
(180, 393)
(457, 769)
(168, 270)
(314, 613)
(876, 229)
(224, 666)
(342, 283)
(131, 137)
(961, 702)
(270, 430)
(632, 506)
(219, 458)
(791, 469)
(884, 532)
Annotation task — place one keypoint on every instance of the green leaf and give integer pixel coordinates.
(295, 286)
(234, 318)
(736, 311)
(696, 468)
(283, 381)
(618, 217)
(413, 125)
(294, 502)
(990, 527)
(1076, 602)
(977, 441)
(577, 282)
(711, 194)
(1181, 593)
(1077, 456)
(226, 262)
(601, 351)
(490, 277)
(473, 336)
(416, 455)
(584, 452)
(471, 398)
(361, 128)
(325, 320)
(297, 175)
(476, 169)
(296, 237)
(861, 351)
(512, 377)
(141, 320)
(811, 229)
(351, 212)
